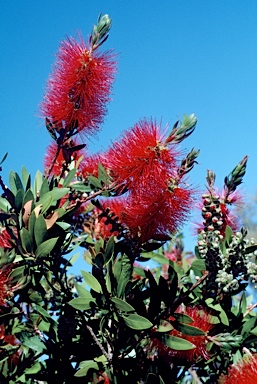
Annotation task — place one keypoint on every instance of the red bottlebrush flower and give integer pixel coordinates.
(157, 211)
(57, 168)
(139, 154)
(113, 210)
(5, 239)
(79, 88)
(244, 372)
(202, 320)
(89, 165)
(12, 340)
(5, 280)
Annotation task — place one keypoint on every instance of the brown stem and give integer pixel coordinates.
(49, 170)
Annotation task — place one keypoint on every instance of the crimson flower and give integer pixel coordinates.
(201, 320)
(5, 281)
(244, 372)
(12, 340)
(58, 166)
(157, 211)
(140, 153)
(79, 88)
(113, 210)
(5, 239)
(89, 165)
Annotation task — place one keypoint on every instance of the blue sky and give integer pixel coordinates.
(174, 57)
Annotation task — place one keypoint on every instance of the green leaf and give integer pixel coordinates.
(176, 343)
(92, 281)
(164, 326)
(17, 273)
(44, 188)
(157, 257)
(94, 181)
(81, 187)
(85, 366)
(68, 179)
(54, 195)
(45, 248)
(188, 329)
(249, 325)
(40, 230)
(122, 305)
(125, 274)
(228, 234)
(34, 343)
(109, 250)
(19, 199)
(25, 176)
(198, 265)
(28, 197)
(32, 221)
(82, 292)
(38, 182)
(26, 240)
(251, 248)
(82, 303)
(15, 182)
(102, 174)
(182, 318)
(3, 159)
(4, 204)
(217, 307)
(34, 369)
(137, 322)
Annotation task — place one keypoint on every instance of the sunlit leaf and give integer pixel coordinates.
(92, 281)
(45, 248)
(82, 303)
(122, 305)
(176, 343)
(137, 322)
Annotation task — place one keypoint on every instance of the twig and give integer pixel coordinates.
(249, 309)
(107, 355)
(194, 375)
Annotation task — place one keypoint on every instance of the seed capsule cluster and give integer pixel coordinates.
(226, 259)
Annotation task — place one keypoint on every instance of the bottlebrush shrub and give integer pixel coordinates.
(142, 310)
(245, 372)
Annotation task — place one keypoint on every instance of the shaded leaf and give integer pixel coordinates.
(3, 159)
(188, 329)
(40, 230)
(85, 366)
(26, 240)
